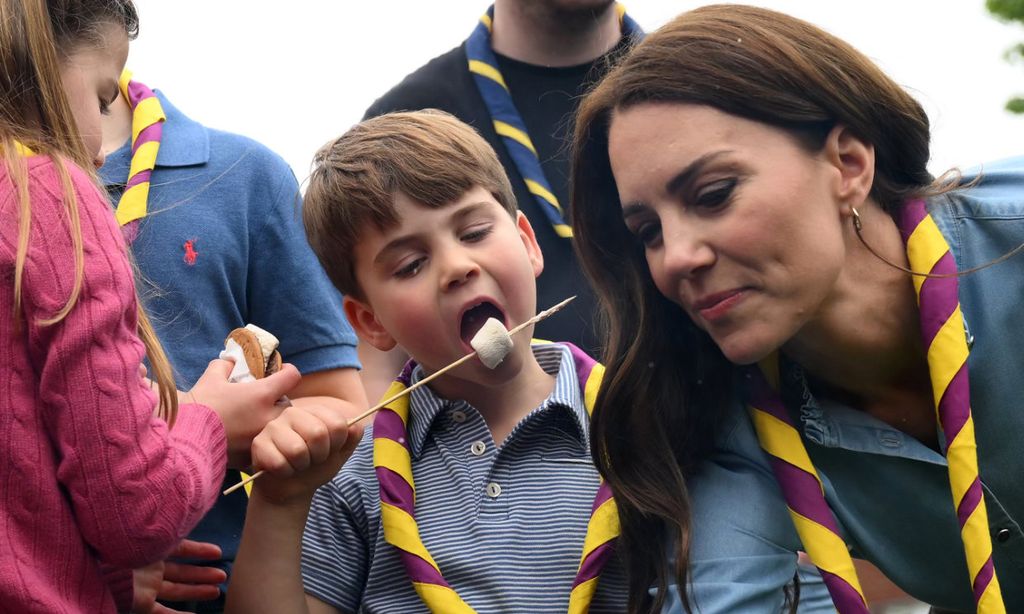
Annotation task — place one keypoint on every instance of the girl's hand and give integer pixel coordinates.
(301, 450)
(244, 407)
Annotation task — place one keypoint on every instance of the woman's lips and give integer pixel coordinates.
(716, 306)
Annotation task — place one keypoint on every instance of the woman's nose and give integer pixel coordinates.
(685, 251)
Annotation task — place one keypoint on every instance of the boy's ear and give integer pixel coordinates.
(530, 241)
(854, 158)
(365, 323)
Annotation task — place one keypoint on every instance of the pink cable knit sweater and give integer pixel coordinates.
(87, 475)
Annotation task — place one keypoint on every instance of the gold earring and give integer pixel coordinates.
(858, 227)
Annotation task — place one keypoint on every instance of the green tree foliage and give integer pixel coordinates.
(1010, 11)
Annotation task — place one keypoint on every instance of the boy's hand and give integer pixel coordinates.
(301, 450)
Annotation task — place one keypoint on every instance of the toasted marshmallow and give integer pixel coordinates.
(492, 343)
(268, 342)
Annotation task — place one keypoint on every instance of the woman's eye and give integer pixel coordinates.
(715, 194)
(648, 232)
(410, 269)
(104, 107)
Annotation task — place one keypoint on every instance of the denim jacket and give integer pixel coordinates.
(889, 492)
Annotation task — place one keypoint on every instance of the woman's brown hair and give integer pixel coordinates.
(667, 381)
(36, 36)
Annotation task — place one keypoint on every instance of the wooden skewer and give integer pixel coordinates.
(537, 318)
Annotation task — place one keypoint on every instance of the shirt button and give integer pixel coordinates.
(1002, 535)
(478, 448)
(493, 490)
(458, 416)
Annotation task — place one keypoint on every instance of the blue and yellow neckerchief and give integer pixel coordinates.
(507, 122)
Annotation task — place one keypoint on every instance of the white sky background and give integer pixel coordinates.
(295, 73)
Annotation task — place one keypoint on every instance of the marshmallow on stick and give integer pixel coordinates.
(492, 343)
(537, 318)
(497, 344)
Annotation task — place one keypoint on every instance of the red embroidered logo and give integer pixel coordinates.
(190, 252)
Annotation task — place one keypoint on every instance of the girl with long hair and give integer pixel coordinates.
(94, 481)
(814, 345)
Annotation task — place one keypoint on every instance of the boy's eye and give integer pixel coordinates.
(477, 233)
(715, 194)
(410, 268)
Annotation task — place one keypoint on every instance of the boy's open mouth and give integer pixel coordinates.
(474, 317)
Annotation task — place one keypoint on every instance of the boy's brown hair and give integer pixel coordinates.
(430, 156)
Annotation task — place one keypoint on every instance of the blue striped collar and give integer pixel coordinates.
(554, 358)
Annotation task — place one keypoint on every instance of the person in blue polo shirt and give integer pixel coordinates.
(219, 244)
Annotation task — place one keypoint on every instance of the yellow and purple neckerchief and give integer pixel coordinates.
(507, 122)
(942, 327)
(393, 466)
(147, 130)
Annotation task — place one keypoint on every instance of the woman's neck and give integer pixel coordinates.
(865, 343)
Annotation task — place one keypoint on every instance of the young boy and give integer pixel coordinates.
(414, 220)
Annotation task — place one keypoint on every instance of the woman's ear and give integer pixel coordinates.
(365, 323)
(854, 158)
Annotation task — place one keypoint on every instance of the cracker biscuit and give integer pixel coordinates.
(259, 365)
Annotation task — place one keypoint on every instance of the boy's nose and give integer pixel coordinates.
(458, 270)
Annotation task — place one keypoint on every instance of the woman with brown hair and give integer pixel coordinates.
(792, 297)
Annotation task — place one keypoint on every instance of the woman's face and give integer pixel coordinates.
(742, 227)
(89, 75)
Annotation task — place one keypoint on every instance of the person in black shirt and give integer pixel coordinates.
(548, 53)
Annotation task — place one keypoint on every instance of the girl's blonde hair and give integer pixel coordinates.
(35, 37)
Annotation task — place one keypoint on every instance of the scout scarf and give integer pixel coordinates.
(393, 466)
(507, 122)
(147, 128)
(942, 327)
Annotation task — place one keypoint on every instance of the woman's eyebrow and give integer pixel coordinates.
(680, 180)
(633, 208)
(686, 176)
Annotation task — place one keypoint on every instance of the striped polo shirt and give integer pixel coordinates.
(505, 525)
